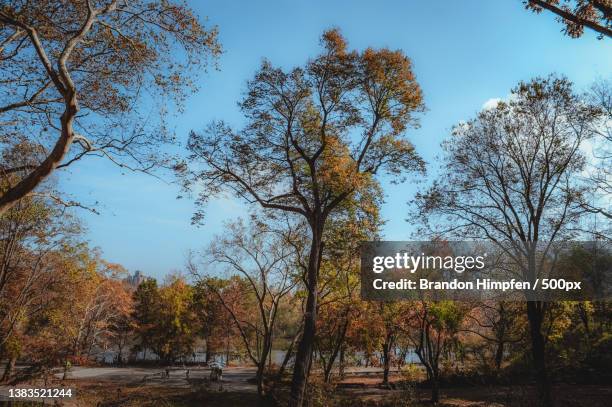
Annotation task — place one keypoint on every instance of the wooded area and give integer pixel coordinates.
(279, 290)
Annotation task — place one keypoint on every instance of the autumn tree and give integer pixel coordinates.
(74, 301)
(75, 75)
(433, 328)
(215, 323)
(81, 306)
(165, 318)
(29, 234)
(32, 234)
(582, 337)
(177, 323)
(145, 314)
(394, 319)
(314, 135)
(499, 323)
(511, 176)
(260, 256)
(577, 14)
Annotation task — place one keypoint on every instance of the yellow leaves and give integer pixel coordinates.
(338, 170)
(391, 85)
(334, 42)
(310, 122)
(175, 78)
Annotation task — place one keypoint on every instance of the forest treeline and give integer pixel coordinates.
(63, 305)
(102, 79)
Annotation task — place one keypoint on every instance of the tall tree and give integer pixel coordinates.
(511, 175)
(600, 170)
(314, 136)
(216, 324)
(146, 310)
(177, 323)
(74, 76)
(578, 14)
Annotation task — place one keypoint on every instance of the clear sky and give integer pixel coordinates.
(464, 53)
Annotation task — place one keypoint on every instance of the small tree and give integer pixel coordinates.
(314, 136)
(432, 329)
(261, 257)
(394, 317)
(497, 322)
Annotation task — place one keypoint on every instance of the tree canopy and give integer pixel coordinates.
(75, 80)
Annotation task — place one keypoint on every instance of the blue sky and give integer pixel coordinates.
(464, 53)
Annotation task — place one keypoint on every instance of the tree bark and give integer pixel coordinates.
(301, 366)
(8, 370)
(435, 389)
(44, 170)
(261, 366)
(332, 359)
(281, 369)
(534, 314)
(386, 362)
(342, 362)
(499, 355)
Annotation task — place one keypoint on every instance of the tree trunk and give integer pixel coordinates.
(66, 369)
(208, 352)
(386, 362)
(435, 389)
(327, 370)
(288, 353)
(261, 366)
(301, 367)
(342, 362)
(535, 315)
(499, 355)
(339, 342)
(8, 370)
(538, 353)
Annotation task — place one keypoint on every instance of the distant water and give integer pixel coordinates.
(358, 358)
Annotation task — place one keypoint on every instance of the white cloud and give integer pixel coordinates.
(490, 104)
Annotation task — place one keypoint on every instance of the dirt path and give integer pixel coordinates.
(234, 378)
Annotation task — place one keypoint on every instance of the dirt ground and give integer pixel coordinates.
(134, 386)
